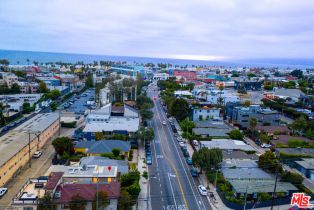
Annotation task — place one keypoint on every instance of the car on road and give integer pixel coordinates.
(149, 160)
(266, 146)
(3, 191)
(189, 161)
(37, 154)
(164, 122)
(202, 190)
(179, 139)
(186, 154)
(194, 172)
(182, 144)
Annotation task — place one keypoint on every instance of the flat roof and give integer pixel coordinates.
(114, 123)
(255, 186)
(245, 173)
(307, 163)
(16, 139)
(227, 144)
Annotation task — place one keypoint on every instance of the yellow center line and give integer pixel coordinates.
(171, 163)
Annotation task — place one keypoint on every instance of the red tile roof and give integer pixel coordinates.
(87, 191)
(53, 180)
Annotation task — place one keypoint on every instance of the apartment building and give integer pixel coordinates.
(14, 146)
(9, 79)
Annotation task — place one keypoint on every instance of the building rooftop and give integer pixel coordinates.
(227, 144)
(297, 151)
(53, 180)
(238, 163)
(255, 186)
(87, 191)
(307, 163)
(103, 146)
(123, 165)
(214, 132)
(16, 139)
(245, 173)
(240, 155)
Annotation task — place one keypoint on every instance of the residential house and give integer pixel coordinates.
(212, 129)
(92, 148)
(28, 87)
(306, 167)
(49, 80)
(289, 94)
(205, 113)
(227, 144)
(242, 116)
(185, 75)
(9, 79)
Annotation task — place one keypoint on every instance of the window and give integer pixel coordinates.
(28, 208)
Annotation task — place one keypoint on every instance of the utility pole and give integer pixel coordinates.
(59, 122)
(29, 150)
(274, 193)
(244, 207)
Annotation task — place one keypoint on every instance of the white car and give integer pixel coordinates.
(202, 190)
(266, 146)
(182, 144)
(37, 154)
(3, 191)
(164, 122)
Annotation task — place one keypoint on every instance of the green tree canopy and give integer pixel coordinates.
(63, 144)
(179, 109)
(54, 94)
(299, 125)
(236, 134)
(125, 202)
(89, 81)
(46, 203)
(145, 134)
(15, 88)
(42, 88)
(207, 159)
(268, 161)
(187, 125)
(103, 200)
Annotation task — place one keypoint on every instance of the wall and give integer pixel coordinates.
(205, 113)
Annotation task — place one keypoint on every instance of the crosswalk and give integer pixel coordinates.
(173, 207)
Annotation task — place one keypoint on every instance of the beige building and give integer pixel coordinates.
(9, 79)
(15, 149)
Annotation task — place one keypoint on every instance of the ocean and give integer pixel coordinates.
(20, 58)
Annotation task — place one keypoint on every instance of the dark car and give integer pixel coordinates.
(186, 154)
(189, 161)
(194, 172)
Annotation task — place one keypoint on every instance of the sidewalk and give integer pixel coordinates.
(143, 202)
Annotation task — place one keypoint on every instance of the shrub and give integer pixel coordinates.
(145, 174)
(129, 178)
(134, 190)
(130, 158)
(236, 134)
(264, 196)
(292, 177)
(116, 152)
(297, 143)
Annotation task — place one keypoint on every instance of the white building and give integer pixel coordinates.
(205, 113)
(161, 76)
(9, 79)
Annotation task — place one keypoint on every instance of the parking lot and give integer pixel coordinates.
(78, 103)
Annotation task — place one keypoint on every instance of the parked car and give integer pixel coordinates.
(189, 161)
(3, 191)
(37, 154)
(149, 160)
(164, 122)
(194, 172)
(202, 190)
(186, 154)
(266, 146)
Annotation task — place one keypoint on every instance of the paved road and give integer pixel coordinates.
(171, 184)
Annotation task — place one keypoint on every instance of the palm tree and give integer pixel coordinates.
(253, 124)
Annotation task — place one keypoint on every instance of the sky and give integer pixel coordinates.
(187, 29)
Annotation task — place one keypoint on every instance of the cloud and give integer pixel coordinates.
(179, 28)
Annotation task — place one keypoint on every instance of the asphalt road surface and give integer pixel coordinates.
(171, 185)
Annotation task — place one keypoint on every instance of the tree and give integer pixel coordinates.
(103, 200)
(179, 109)
(77, 203)
(54, 94)
(63, 144)
(207, 159)
(187, 125)
(15, 88)
(129, 178)
(145, 134)
(42, 87)
(297, 73)
(268, 161)
(26, 107)
(116, 152)
(299, 125)
(236, 134)
(2, 118)
(99, 136)
(292, 177)
(146, 114)
(125, 202)
(143, 100)
(253, 124)
(247, 103)
(89, 81)
(289, 85)
(53, 106)
(46, 203)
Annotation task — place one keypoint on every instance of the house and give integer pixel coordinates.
(239, 163)
(63, 190)
(93, 148)
(242, 115)
(211, 128)
(62, 89)
(182, 93)
(28, 87)
(122, 165)
(52, 81)
(306, 167)
(226, 144)
(112, 120)
(9, 79)
(70, 80)
(244, 83)
(205, 113)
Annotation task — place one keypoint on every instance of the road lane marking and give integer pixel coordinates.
(171, 163)
(159, 110)
(174, 198)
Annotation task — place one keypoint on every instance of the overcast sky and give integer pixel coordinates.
(197, 29)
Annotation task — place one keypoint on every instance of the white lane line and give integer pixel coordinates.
(175, 203)
(171, 136)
